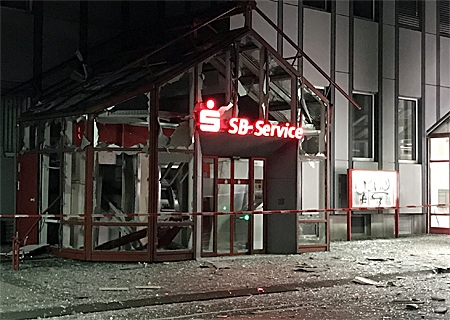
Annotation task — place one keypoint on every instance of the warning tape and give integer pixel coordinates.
(165, 214)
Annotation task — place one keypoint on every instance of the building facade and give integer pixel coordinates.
(309, 64)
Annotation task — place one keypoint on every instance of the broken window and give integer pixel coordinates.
(175, 164)
(117, 199)
(72, 235)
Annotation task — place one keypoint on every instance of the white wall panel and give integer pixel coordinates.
(388, 132)
(290, 27)
(430, 106)
(341, 119)
(388, 52)
(365, 56)
(409, 64)
(445, 101)
(445, 61)
(316, 44)
(430, 16)
(430, 59)
(410, 186)
(261, 26)
(19, 39)
(342, 25)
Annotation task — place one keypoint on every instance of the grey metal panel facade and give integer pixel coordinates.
(262, 27)
(430, 17)
(102, 26)
(342, 43)
(290, 27)
(410, 63)
(341, 119)
(388, 122)
(445, 101)
(430, 106)
(365, 165)
(317, 44)
(389, 12)
(410, 186)
(342, 8)
(57, 31)
(365, 56)
(445, 61)
(7, 189)
(17, 33)
(430, 59)
(388, 52)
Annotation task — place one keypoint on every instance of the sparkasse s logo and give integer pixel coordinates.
(209, 118)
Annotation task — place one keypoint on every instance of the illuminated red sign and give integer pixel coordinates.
(210, 121)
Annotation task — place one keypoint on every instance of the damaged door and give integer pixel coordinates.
(27, 197)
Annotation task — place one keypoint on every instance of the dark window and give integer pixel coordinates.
(444, 18)
(410, 14)
(318, 4)
(407, 129)
(365, 9)
(363, 126)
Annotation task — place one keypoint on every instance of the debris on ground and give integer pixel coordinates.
(362, 280)
(440, 310)
(412, 306)
(114, 289)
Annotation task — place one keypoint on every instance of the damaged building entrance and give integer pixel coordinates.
(232, 184)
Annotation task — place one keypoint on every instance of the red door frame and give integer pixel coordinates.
(436, 230)
(232, 181)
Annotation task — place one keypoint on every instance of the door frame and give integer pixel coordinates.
(251, 188)
(27, 199)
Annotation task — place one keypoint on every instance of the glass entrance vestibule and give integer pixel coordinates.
(137, 179)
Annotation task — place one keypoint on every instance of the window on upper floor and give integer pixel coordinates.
(363, 127)
(318, 4)
(410, 14)
(444, 18)
(367, 9)
(407, 129)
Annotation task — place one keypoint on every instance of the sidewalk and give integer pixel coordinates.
(48, 285)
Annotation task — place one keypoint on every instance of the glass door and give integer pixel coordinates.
(228, 227)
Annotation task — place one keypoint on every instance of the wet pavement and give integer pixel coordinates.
(404, 278)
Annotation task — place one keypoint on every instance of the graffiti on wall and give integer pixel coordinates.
(372, 188)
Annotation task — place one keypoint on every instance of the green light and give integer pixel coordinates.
(246, 217)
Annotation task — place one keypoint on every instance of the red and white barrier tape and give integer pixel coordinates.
(101, 215)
